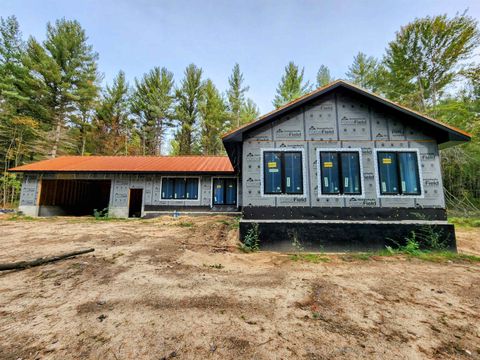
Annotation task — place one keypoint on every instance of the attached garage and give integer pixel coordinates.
(73, 197)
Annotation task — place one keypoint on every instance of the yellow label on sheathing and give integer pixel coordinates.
(386, 161)
(328, 164)
(272, 164)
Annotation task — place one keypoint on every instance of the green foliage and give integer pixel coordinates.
(251, 242)
(323, 76)
(63, 70)
(293, 234)
(151, 102)
(188, 97)
(426, 56)
(311, 258)
(187, 224)
(465, 222)
(213, 111)
(113, 122)
(291, 86)
(100, 214)
(366, 72)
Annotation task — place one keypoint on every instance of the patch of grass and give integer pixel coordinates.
(465, 221)
(358, 256)
(312, 258)
(20, 217)
(185, 224)
(444, 256)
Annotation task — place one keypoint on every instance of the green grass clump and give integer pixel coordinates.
(312, 258)
(16, 217)
(365, 256)
(185, 224)
(465, 221)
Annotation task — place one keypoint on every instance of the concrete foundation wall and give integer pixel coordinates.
(119, 192)
(341, 121)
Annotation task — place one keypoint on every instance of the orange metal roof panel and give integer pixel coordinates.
(194, 164)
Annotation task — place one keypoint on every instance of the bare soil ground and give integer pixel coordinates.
(179, 288)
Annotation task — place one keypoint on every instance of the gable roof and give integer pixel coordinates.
(453, 134)
(167, 164)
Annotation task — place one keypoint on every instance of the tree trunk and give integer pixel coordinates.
(42, 260)
(56, 140)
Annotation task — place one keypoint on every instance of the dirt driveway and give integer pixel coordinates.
(164, 289)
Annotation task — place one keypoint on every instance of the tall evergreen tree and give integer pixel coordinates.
(213, 112)
(291, 86)
(18, 131)
(64, 68)
(323, 76)
(426, 56)
(365, 72)
(152, 102)
(249, 111)
(236, 95)
(188, 96)
(114, 128)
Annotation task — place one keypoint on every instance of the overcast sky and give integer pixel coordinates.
(262, 36)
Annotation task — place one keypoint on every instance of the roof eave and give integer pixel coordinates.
(455, 134)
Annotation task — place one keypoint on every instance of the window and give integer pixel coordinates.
(180, 188)
(340, 172)
(282, 172)
(225, 191)
(398, 173)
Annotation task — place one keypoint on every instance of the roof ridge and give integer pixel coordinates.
(351, 85)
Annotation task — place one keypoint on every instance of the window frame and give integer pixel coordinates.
(377, 174)
(180, 177)
(301, 150)
(319, 173)
(212, 190)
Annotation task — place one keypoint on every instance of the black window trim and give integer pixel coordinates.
(180, 177)
(399, 180)
(283, 193)
(340, 194)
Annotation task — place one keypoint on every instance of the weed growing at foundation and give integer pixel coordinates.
(251, 242)
(100, 214)
(295, 241)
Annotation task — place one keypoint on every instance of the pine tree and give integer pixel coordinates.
(323, 76)
(365, 72)
(152, 101)
(236, 95)
(291, 85)
(213, 112)
(114, 128)
(18, 131)
(249, 111)
(188, 96)
(64, 71)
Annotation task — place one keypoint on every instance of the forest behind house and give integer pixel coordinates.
(54, 100)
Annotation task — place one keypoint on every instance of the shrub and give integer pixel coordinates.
(100, 214)
(251, 242)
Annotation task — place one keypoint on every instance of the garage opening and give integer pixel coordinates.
(73, 197)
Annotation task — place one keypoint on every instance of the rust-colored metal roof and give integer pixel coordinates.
(174, 164)
(322, 90)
